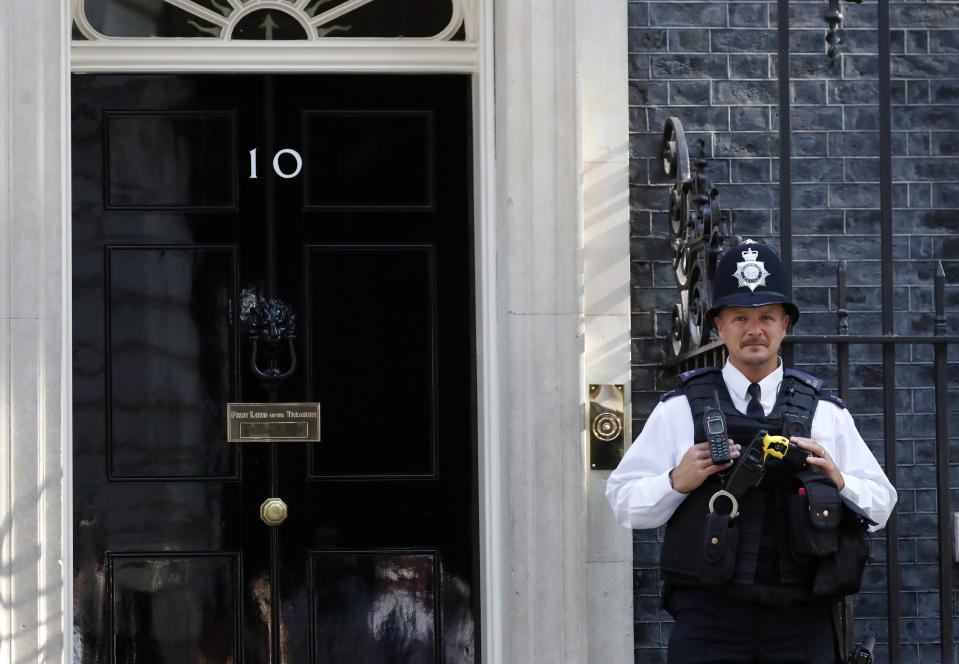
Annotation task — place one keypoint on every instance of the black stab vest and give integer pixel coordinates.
(765, 570)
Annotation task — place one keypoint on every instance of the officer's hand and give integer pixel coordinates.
(696, 465)
(819, 460)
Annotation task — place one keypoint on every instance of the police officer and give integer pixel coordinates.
(750, 582)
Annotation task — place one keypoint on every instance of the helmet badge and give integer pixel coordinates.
(750, 272)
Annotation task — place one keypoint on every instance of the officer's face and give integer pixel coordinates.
(752, 336)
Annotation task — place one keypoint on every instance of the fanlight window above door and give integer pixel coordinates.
(441, 20)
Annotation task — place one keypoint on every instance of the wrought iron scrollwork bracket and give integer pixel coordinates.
(834, 18)
(698, 233)
(272, 326)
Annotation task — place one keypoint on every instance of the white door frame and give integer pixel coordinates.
(539, 528)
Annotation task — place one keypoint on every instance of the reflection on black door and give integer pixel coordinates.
(348, 198)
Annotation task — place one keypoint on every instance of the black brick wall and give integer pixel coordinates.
(714, 65)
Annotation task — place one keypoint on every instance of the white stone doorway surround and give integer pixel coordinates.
(551, 164)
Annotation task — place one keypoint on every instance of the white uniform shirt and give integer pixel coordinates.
(639, 490)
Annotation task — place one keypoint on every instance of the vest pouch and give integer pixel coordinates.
(718, 557)
(841, 573)
(814, 517)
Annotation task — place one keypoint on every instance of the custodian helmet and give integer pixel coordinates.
(750, 275)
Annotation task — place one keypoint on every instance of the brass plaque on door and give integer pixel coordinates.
(273, 422)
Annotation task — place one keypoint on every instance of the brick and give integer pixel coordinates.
(818, 221)
(810, 196)
(647, 40)
(815, 117)
(811, 248)
(694, 119)
(861, 117)
(808, 92)
(695, 41)
(897, 92)
(748, 66)
(750, 170)
(808, 144)
(647, 197)
(923, 169)
(943, 142)
(853, 195)
(816, 170)
(640, 270)
(801, 15)
(920, 195)
(637, 117)
(645, 655)
(748, 14)
(859, 41)
(744, 92)
(853, 144)
(638, 68)
(746, 144)
(688, 66)
(810, 66)
(750, 196)
(917, 92)
(646, 145)
(641, 325)
(946, 195)
(689, 92)
(749, 118)
(919, 629)
(805, 41)
(926, 117)
(943, 41)
(692, 14)
(923, 66)
(919, 143)
(639, 171)
(917, 41)
(862, 170)
(915, 15)
(946, 91)
(637, 14)
(860, 66)
(743, 41)
(750, 223)
(853, 92)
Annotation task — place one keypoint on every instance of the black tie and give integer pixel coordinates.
(754, 408)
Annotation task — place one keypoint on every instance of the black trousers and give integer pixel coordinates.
(715, 629)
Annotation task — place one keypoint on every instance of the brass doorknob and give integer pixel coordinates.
(273, 511)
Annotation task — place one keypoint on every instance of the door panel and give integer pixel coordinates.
(169, 354)
(390, 385)
(370, 244)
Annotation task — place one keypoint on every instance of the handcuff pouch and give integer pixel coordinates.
(718, 549)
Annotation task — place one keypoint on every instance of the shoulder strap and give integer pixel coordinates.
(687, 376)
(671, 394)
(803, 377)
(800, 395)
(831, 398)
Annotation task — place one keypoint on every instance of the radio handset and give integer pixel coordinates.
(714, 424)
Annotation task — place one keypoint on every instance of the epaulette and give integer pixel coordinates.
(833, 399)
(686, 376)
(803, 377)
(670, 394)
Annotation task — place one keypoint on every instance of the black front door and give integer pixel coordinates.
(196, 199)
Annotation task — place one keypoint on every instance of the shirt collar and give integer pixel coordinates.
(737, 384)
